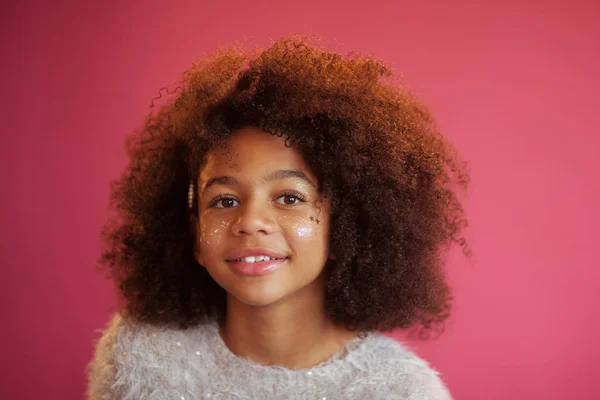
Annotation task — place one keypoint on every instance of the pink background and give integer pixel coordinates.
(515, 85)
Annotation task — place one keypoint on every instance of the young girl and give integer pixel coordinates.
(289, 203)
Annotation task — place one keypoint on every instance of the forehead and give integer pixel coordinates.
(250, 152)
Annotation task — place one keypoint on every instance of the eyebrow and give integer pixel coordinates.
(273, 176)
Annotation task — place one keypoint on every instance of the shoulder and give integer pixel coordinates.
(136, 360)
(109, 366)
(403, 374)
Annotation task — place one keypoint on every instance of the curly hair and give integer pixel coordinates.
(370, 143)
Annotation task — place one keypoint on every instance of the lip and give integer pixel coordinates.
(255, 268)
(253, 252)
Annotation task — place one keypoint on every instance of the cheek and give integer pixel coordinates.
(212, 233)
(304, 230)
(311, 228)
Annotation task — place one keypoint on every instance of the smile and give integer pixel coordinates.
(252, 259)
(255, 267)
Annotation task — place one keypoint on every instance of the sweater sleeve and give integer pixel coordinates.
(103, 370)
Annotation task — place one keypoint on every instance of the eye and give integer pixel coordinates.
(224, 202)
(290, 199)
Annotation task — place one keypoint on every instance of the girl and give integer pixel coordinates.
(289, 203)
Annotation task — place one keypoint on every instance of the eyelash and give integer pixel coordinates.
(289, 193)
(293, 193)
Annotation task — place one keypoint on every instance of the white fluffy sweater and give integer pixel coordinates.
(134, 361)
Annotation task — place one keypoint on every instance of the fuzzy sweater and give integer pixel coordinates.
(134, 361)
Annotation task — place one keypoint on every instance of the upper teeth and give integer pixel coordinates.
(256, 258)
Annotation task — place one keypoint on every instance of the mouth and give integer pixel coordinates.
(256, 265)
(255, 255)
(257, 259)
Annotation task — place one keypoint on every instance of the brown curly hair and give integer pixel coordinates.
(370, 143)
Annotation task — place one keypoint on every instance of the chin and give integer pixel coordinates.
(256, 297)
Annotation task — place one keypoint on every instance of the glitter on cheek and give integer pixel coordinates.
(300, 226)
(201, 232)
(212, 232)
(211, 238)
(304, 231)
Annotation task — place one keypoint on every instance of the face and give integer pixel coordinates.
(257, 196)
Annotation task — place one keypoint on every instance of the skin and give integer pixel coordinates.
(278, 318)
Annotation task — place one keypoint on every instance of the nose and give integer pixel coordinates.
(254, 218)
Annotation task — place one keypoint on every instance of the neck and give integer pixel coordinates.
(294, 332)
